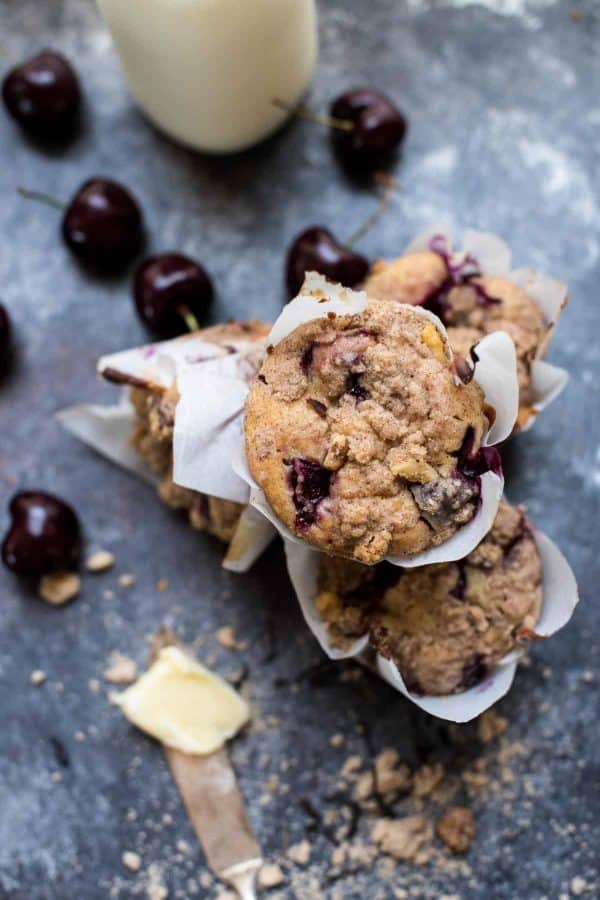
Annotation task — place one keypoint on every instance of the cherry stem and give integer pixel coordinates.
(303, 112)
(188, 317)
(388, 184)
(42, 198)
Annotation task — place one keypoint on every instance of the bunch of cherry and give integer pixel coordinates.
(102, 225)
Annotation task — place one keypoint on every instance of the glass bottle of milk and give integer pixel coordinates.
(206, 71)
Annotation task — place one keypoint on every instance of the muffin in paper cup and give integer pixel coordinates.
(153, 376)
(522, 301)
(494, 370)
(546, 607)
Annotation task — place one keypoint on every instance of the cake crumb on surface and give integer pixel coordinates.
(578, 885)
(226, 637)
(131, 860)
(490, 725)
(37, 677)
(57, 588)
(300, 852)
(427, 778)
(270, 875)
(402, 838)
(100, 561)
(126, 580)
(162, 585)
(457, 828)
(336, 740)
(155, 887)
(121, 669)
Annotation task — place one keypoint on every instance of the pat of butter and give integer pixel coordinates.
(183, 704)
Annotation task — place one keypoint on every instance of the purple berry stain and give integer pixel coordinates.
(310, 483)
(458, 274)
(354, 387)
(474, 464)
(474, 672)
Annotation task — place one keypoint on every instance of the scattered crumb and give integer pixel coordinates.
(299, 853)
(126, 580)
(100, 561)
(588, 677)
(578, 885)
(226, 637)
(576, 14)
(37, 677)
(336, 740)
(490, 725)
(270, 875)
(131, 861)
(182, 846)
(351, 766)
(162, 585)
(79, 736)
(155, 887)
(94, 685)
(427, 778)
(402, 838)
(108, 594)
(59, 587)
(56, 776)
(121, 669)
(457, 828)
(391, 775)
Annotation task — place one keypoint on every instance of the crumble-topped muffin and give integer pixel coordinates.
(444, 626)
(470, 305)
(152, 437)
(356, 428)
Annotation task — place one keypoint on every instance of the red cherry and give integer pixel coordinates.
(172, 293)
(379, 128)
(44, 535)
(102, 225)
(42, 94)
(5, 335)
(317, 250)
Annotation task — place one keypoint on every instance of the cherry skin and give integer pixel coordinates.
(379, 128)
(44, 535)
(167, 288)
(5, 335)
(316, 250)
(43, 96)
(102, 225)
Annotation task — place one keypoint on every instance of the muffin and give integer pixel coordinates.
(154, 405)
(444, 626)
(470, 305)
(363, 439)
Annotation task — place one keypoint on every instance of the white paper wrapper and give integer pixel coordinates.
(212, 379)
(495, 371)
(107, 429)
(559, 600)
(493, 257)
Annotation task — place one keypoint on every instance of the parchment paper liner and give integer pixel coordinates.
(558, 603)
(108, 429)
(495, 258)
(495, 371)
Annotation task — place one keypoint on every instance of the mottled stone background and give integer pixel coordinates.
(502, 98)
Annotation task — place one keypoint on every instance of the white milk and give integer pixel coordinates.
(206, 71)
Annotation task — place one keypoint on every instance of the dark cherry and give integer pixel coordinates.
(472, 463)
(5, 335)
(379, 128)
(316, 250)
(171, 291)
(310, 483)
(102, 225)
(44, 534)
(43, 96)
